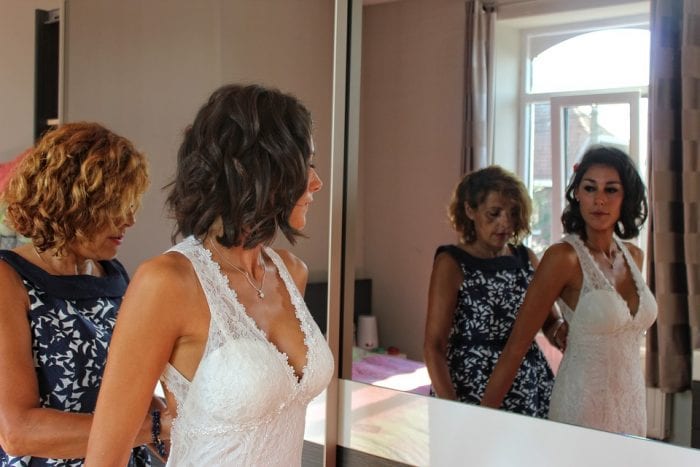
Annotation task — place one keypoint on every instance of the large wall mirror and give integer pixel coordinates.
(406, 135)
(144, 68)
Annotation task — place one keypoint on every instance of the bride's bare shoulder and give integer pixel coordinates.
(561, 253)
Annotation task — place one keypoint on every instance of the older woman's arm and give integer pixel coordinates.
(445, 281)
(26, 429)
(553, 274)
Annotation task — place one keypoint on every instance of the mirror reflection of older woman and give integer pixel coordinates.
(74, 196)
(476, 288)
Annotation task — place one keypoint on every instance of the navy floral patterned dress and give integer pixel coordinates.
(71, 320)
(487, 303)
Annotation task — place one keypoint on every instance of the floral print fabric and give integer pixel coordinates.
(71, 320)
(487, 303)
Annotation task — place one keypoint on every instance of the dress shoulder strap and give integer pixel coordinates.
(300, 309)
(636, 273)
(457, 253)
(292, 289)
(593, 278)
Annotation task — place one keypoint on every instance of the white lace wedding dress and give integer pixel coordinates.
(244, 405)
(600, 383)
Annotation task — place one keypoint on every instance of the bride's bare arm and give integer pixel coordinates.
(554, 328)
(553, 274)
(150, 321)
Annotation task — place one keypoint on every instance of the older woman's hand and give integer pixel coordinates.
(557, 333)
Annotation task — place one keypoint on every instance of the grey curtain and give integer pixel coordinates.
(674, 179)
(479, 85)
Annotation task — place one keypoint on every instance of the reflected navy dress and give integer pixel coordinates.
(487, 303)
(71, 320)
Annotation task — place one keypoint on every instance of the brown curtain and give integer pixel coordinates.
(479, 85)
(674, 179)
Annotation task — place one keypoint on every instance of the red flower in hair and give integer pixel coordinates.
(576, 167)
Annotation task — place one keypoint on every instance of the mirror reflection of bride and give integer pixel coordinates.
(596, 280)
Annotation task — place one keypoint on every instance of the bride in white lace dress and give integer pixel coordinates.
(596, 280)
(220, 318)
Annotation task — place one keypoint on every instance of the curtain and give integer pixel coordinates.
(674, 181)
(478, 85)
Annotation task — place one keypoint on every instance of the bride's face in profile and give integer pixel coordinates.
(297, 218)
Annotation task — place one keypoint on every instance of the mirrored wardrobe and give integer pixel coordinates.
(411, 78)
(386, 83)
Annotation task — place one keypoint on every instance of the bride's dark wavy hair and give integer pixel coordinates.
(245, 159)
(634, 209)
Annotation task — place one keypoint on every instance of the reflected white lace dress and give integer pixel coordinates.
(600, 382)
(244, 405)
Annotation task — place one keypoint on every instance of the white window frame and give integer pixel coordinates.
(527, 99)
(557, 106)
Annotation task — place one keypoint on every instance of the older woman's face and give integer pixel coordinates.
(494, 220)
(105, 243)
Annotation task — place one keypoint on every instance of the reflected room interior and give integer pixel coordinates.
(407, 108)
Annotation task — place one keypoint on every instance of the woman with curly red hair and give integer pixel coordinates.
(73, 196)
(476, 288)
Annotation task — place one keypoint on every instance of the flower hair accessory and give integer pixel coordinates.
(576, 167)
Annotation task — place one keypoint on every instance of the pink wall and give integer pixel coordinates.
(410, 148)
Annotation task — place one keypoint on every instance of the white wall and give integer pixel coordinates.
(144, 68)
(289, 44)
(409, 157)
(507, 99)
(17, 74)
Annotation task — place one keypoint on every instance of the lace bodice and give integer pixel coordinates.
(244, 405)
(600, 382)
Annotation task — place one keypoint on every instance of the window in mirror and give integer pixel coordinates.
(606, 59)
(581, 87)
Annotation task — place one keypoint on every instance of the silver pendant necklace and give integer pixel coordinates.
(609, 258)
(259, 290)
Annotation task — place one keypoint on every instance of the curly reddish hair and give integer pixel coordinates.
(473, 189)
(79, 179)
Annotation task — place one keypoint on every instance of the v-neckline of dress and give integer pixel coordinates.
(297, 377)
(617, 293)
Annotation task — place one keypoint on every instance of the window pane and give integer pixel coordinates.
(604, 59)
(586, 125)
(541, 177)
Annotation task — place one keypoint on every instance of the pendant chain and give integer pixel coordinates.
(87, 269)
(259, 290)
(609, 258)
